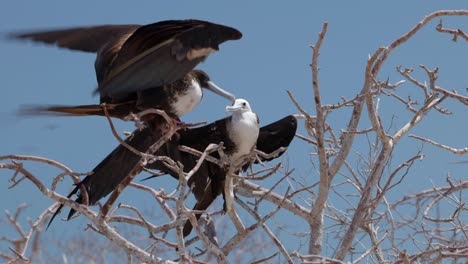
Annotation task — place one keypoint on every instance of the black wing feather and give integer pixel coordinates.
(154, 70)
(156, 54)
(88, 39)
(276, 135)
(206, 184)
(111, 171)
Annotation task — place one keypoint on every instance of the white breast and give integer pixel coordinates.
(244, 132)
(187, 101)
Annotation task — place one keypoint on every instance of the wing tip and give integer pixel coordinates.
(18, 36)
(236, 34)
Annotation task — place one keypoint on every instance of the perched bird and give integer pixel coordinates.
(239, 132)
(143, 66)
(206, 184)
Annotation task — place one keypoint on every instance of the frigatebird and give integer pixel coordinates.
(143, 66)
(239, 132)
(206, 184)
(208, 181)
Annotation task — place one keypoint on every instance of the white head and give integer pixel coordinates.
(239, 106)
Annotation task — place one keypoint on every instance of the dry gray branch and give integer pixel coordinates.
(351, 218)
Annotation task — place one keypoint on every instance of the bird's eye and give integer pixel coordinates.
(243, 104)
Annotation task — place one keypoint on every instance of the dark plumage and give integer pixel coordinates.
(139, 67)
(207, 183)
(143, 66)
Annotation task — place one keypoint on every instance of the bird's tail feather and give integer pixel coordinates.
(114, 110)
(60, 207)
(111, 171)
(211, 191)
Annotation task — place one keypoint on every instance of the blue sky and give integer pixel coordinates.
(272, 57)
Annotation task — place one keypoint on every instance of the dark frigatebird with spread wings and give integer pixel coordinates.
(239, 132)
(207, 183)
(143, 66)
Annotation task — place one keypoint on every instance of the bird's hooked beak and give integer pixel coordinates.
(238, 105)
(217, 90)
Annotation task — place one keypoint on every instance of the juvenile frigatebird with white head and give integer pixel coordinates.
(208, 181)
(238, 133)
(242, 129)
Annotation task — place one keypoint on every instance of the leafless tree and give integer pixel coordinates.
(346, 216)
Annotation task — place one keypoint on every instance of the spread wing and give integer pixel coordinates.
(161, 53)
(276, 135)
(88, 39)
(271, 137)
(208, 182)
(199, 138)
